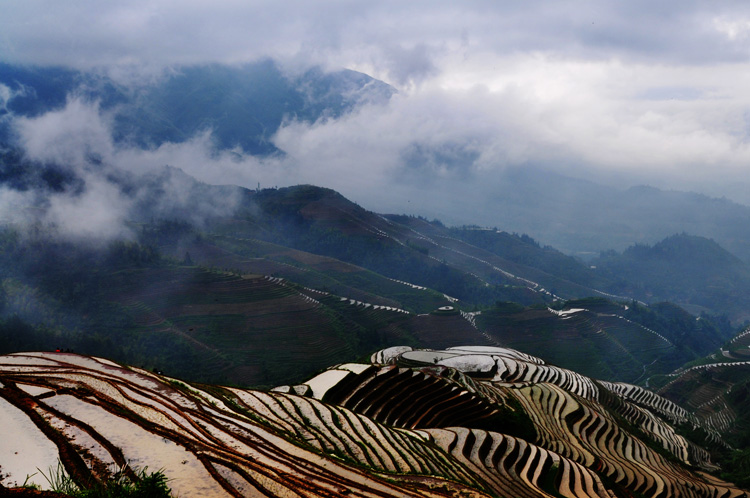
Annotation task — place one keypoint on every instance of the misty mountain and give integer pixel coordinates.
(229, 287)
(243, 106)
(584, 218)
(695, 272)
(482, 266)
(477, 266)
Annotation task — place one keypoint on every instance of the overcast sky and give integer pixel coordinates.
(621, 92)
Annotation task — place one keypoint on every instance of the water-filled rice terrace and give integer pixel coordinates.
(621, 432)
(469, 421)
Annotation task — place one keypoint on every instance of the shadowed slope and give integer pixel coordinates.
(617, 431)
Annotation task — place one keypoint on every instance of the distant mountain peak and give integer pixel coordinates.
(241, 105)
(683, 245)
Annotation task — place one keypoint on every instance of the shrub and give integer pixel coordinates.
(146, 485)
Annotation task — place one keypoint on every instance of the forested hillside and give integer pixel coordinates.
(296, 279)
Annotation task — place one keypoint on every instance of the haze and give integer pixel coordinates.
(619, 93)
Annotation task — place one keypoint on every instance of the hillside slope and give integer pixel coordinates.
(600, 338)
(692, 271)
(322, 221)
(298, 278)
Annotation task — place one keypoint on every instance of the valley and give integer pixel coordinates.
(309, 279)
(516, 332)
(244, 348)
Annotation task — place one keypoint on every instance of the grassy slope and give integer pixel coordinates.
(601, 341)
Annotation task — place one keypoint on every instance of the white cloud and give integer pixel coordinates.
(5, 95)
(98, 213)
(734, 29)
(381, 35)
(436, 149)
(69, 136)
(656, 93)
(15, 206)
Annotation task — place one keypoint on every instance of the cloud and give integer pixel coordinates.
(70, 136)
(16, 206)
(613, 122)
(440, 149)
(409, 66)
(392, 38)
(6, 95)
(625, 93)
(99, 186)
(96, 214)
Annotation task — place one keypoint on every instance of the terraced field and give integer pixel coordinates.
(598, 344)
(619, 432)
(310, 270)
(246, 329)
(706, 391)
(147, 303)
(512, 265)
(471, 422)
(259, 330)
(100, 417)
(738, 349)
(254, 330)
(251, 329)
(435, 330)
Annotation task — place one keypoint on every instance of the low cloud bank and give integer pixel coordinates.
(439, 149)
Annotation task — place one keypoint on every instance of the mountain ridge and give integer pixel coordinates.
(692, 271)
(241, 105)
(245, 105)
(185, 289)
(584, 218)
